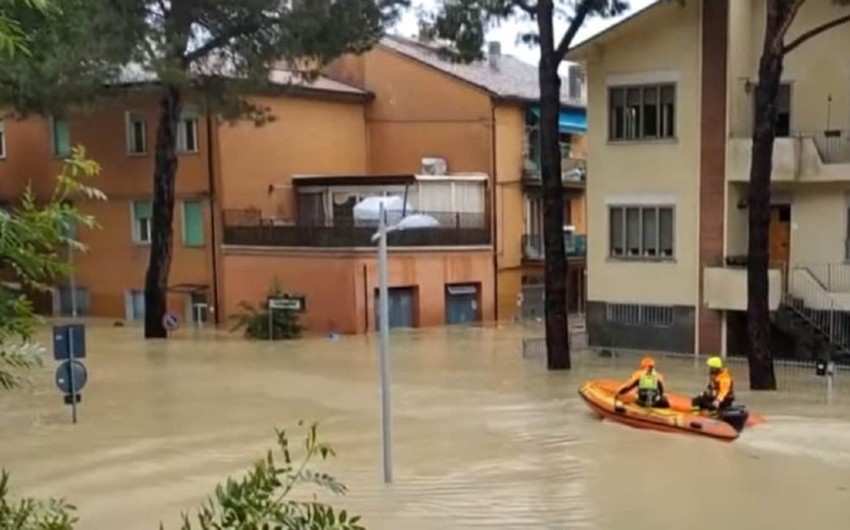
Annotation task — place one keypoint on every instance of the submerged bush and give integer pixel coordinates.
(254, 319)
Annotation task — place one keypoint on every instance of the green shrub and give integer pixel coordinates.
(33, 514)
(254, 319)
(259, 500)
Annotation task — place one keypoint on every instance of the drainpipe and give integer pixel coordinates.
(212, 203)
(493, 215)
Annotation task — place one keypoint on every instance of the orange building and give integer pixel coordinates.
(278, 202)
(480, 117)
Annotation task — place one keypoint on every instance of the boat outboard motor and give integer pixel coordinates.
(736, 416)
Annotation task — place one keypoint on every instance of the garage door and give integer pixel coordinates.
(401, 309)
(462, 304)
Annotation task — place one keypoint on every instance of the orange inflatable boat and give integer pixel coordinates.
(601, 396)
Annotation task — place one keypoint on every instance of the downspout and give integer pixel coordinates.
(494, 215)
(212, 203)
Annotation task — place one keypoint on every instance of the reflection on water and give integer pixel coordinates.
(482, 438)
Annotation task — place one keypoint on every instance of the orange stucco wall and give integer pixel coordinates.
(420, 112)
(307, 137)
(337, 284)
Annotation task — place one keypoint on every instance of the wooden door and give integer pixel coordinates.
(779, 237)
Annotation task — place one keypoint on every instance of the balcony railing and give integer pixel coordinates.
(833, 146)
(575, 246)
(246, 227)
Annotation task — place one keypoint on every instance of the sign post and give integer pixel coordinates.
(295, 304)
(69, 345)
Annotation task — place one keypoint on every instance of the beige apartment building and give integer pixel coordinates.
(670, 115)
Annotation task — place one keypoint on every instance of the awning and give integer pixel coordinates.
(572, 121)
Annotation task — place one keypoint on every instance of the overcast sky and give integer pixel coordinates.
(507, 33)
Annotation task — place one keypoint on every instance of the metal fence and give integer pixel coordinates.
(247, 227)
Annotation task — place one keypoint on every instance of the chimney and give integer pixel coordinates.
(494, 51)
(575, 81)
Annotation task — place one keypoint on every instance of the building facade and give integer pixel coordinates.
(480, 117)
(670, 113)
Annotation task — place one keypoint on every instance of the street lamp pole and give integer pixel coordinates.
(384, 359)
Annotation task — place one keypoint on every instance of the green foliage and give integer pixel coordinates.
(33, 514)
(261, 499)
(61, 61)
(254, 319)
(202, 43)
(31, 235)
(464, 23)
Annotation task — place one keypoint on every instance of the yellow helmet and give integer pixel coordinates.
(715, 362)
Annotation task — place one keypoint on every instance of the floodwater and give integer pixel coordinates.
(483, 437)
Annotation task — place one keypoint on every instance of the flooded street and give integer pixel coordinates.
(483, 438)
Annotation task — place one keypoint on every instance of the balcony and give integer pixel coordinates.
(573, 170)
(248, 228)
(822, 156)
(725, 288)
(533, 249)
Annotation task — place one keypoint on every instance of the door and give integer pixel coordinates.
(401, 307)
(779, 236)
(462, 304)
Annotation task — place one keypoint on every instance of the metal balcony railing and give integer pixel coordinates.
(575, 246)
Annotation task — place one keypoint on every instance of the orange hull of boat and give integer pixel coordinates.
(600, 397)
(677, 402)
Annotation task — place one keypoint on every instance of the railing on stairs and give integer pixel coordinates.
(824, 312)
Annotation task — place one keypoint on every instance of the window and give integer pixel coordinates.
(136, 134)
(187, 133)
(60, 134)
(2, 138)
(141, 221)
(639, 315)
(637, 232)
(644, 112)
(193, 223)
(783, 110)
(66, 300)
(135, 305)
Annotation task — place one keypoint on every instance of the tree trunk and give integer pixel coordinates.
(557, 330)
(162, 216)
(762, 375)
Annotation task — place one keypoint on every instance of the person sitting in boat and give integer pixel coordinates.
(720, 393)
(650, 385)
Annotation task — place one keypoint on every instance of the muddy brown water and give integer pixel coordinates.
(483, 437)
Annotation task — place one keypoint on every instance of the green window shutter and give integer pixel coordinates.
(61, 137)
(141, 210)
(193, 223)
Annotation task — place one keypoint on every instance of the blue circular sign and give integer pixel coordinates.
(64, 372)
(171, 321)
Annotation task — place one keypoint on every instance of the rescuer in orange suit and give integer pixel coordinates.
(720, 393)
(650, 385)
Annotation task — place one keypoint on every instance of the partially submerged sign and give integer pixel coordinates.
(287, 303)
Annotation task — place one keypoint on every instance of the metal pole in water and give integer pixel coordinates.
(72, 280)
(71, 375)
(384, 361)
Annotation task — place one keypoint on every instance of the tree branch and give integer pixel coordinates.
(788, 19)
(220, 40)
(576, 23)
(814, 32)
(526, 6)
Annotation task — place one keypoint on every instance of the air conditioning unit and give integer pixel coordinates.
(434, 166)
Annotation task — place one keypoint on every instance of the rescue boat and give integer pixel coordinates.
(601, 396)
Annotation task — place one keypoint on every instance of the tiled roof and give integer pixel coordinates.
(135, 73)
(513, 78)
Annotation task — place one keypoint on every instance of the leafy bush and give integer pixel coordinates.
(30, 234)
(258, 501)
(254, 319)
(33, 514)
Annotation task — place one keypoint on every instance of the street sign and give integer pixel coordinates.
(171, 321)
(290, 303)
(65, 377)
(69, 341)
